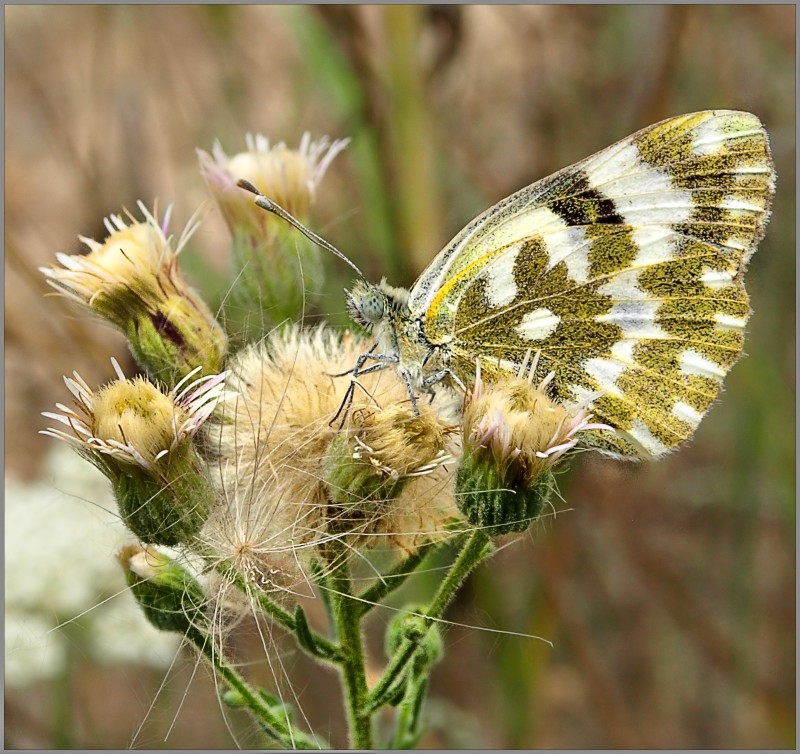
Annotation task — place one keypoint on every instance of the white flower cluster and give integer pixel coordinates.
(61, 535)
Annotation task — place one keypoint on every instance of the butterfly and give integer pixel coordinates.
(623, 272)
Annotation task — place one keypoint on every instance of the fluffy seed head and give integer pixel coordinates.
(270, 447)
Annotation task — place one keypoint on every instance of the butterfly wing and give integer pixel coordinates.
(624, 271)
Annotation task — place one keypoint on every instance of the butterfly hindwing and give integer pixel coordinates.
(624, 271)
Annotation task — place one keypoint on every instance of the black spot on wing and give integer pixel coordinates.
(585, 205)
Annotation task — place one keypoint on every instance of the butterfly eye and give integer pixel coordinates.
(373, 306)
(366, 304)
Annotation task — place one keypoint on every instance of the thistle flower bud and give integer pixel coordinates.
(141, 439)
(133, 280)
(381, 452)
(368, 467)
(513, 434)
(274, 266)
(409, 624)
(171, 598)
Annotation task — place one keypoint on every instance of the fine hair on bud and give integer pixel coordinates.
(513, 434)
(289, 481)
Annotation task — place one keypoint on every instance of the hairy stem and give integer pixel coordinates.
(354, 677)
(278, 727)
(476, 547)
(394, 579)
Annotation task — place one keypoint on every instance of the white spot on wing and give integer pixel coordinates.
(623, 285)
(571, 247)
(636, 319)
(641, 436)
(752, 170)
(583, 397)
(655, 204)
(656, 244)
(693, 363)
(734, 203)
(606, 373)
(613, 164)
(501, 289)
(739, 245)
(713, 133)
(508, 365)
(538, 221)
(716, 278)
(642, 194)
(622, 351)
(538, 324)
(727, 322)
(686, 413)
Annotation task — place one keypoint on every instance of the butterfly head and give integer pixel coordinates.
(369, 304)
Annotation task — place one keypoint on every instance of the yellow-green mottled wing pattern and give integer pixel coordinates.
(624, 271)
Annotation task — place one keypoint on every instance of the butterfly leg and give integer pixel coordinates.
(405, 374)
(383, 360)
(361, 360)
(432, 379)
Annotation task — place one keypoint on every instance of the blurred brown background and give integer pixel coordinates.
(667, 590)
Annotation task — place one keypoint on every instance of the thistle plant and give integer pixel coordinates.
(232, 459)
(274, 270)
(133, 281)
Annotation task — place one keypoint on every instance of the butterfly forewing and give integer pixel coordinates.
(624, 271)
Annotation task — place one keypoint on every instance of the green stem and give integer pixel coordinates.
(416, 193)
(393, 580)
(318, 647)
(62, 697)
(385, 688)
(407, 730)
(321, 580)
(354, 677)
(475, 549)
(278, 727)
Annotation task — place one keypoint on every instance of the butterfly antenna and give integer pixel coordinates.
(276, 209)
